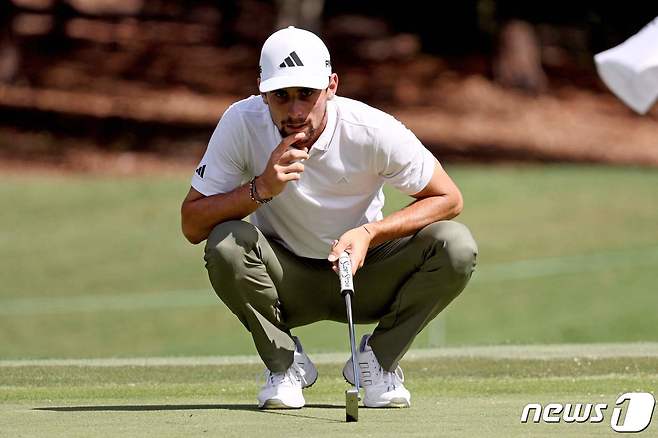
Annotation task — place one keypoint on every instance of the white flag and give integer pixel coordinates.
(630, 70)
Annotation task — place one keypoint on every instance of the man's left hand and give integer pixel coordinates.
(355, 242)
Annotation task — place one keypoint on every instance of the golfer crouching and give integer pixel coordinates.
(308, 167)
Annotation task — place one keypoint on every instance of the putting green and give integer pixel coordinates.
(455, 392)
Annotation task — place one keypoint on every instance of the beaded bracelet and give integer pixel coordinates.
(253, 193)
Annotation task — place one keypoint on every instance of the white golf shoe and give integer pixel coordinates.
(284, 390)
(384, 389)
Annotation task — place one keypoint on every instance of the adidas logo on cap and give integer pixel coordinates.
(292, 61)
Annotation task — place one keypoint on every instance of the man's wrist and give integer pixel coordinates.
(256, 193)
(377, 232)
(370, 229)
(261, 189)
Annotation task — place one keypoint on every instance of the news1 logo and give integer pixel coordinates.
(638, 411)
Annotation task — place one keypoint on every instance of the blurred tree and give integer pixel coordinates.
(570, 33)
(306, 14)
(517, 62)
(9, 51)
(172, 42)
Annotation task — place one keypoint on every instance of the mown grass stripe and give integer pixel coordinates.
(514, 270)
(557, 351)
(541, 267)
(108, 302)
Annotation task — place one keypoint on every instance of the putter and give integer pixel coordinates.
(347, 291)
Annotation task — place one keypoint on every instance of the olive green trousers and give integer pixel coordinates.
(402, 286)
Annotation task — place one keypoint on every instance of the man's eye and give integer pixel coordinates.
(281, 94)
(306, 92)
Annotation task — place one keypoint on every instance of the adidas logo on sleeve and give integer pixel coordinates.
(201, 170)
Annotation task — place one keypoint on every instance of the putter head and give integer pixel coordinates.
(351, 405)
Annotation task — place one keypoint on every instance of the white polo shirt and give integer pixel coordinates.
(360, 149)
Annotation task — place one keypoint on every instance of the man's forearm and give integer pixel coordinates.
(200, 216)
(414, 217)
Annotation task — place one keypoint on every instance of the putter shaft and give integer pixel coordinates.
(347, 290)
(350, 323)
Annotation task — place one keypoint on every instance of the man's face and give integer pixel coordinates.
(298, 109)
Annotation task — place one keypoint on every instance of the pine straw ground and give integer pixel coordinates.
(466, 117)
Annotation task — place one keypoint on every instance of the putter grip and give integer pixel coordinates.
(345, 273)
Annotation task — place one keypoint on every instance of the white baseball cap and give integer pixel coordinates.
(294, 57)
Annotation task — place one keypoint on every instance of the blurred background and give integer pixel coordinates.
(107, 106)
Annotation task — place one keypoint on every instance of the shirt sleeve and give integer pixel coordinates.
(223, 167)
(403, 161)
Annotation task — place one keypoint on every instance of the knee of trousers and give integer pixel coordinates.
(229, 241)
(455, 243)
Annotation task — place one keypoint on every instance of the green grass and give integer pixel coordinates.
(463, 393)
(97, 266)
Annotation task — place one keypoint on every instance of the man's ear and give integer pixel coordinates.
(333, 86)
(258, 88)
(262, 95)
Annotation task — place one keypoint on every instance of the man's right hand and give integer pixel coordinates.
(282, 167)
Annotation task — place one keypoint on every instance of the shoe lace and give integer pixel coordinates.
(393, 379)
(294, 372)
